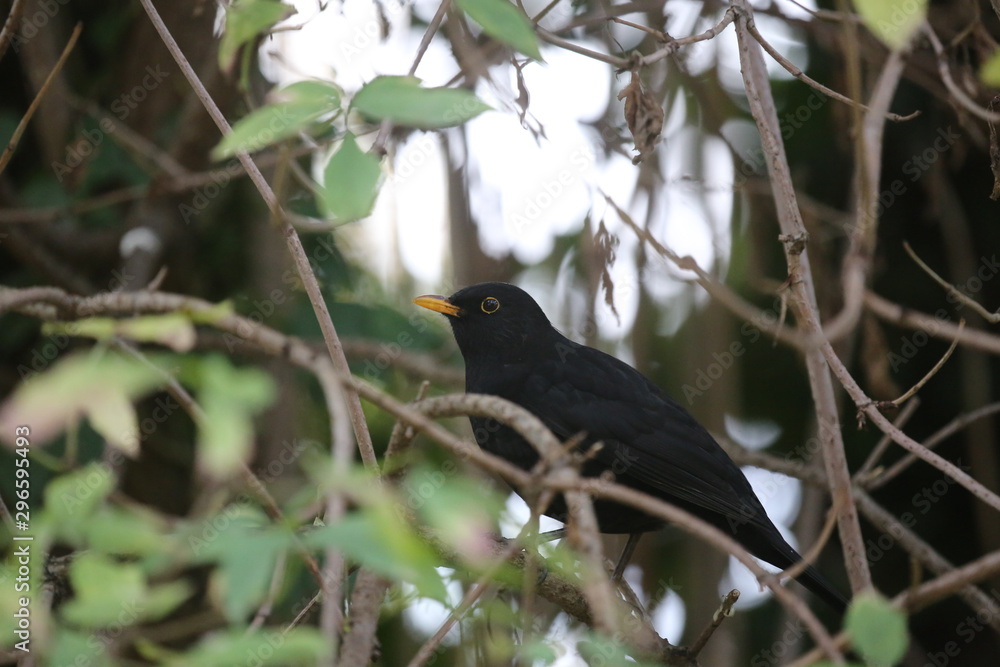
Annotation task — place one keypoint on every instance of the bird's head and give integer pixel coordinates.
(494, 321)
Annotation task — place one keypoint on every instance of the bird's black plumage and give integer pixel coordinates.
(650, 442)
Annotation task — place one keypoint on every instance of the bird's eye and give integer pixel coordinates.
(490, 305)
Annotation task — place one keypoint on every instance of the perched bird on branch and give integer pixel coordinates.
(649, 442)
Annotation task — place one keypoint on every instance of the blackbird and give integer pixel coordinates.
(650, 443)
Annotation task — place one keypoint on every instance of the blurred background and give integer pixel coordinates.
(114, 181)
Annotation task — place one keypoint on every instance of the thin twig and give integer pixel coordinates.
(862, 473)
(953, 291)
(716, 289)
(809, 81)
(803, 302)
(810, 556)
(555, 40)
(724, 611)
(11, 25)
(264, 610)
(957, 93)
(485, 581)
(860, 256)
(935, 326)
(432, 29)
(8, 151)
(932, 372)
(306, 274)
(945, 432)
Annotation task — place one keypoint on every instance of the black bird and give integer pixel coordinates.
(650, 442)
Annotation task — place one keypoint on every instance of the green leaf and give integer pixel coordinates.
(299, 106)
(892, 21)
(502, 20)
(72, 498)
(989, 72)
(877, 629)
(245, 19)
(351, 181)
(174, 330)
(298, 646)
(230, 397)
(70, 647)
(116, 531)
(459, 510)
(105, 592)
(386, 545)
(98, 385)
(246, 547)
(402, 100)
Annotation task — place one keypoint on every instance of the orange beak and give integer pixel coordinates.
(438, 304)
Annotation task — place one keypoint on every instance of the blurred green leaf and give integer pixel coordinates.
(877, 629)
(117, 531)
(162, 599)
(504, 21)
(245, 546)
(299, 105)
(380, 541)
(105, 592)
(76, 648)
(459, 510)
(989, 71)
(98, 385)
(298, 646)
(72, 498)
(174, 330)
(229, 397)
(350, 182)
(245, 19)
(402, 100)
(892, 21)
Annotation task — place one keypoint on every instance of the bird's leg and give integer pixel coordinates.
(633, 540)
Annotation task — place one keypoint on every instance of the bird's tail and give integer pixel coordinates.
(818, 584)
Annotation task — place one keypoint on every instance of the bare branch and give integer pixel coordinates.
(295, 248)
(15, 138)
(803, 293)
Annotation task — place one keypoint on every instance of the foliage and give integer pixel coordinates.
(187, 464)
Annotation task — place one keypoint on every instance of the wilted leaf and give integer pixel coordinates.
(402, 100)
(643, 115)
(299, 106)
(350, 181)
(892, 21)
(245, 19)
(504, 21)
(97, 385)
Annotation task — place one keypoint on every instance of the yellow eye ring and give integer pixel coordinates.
(490, 305)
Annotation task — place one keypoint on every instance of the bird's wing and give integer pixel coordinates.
(647, 436)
